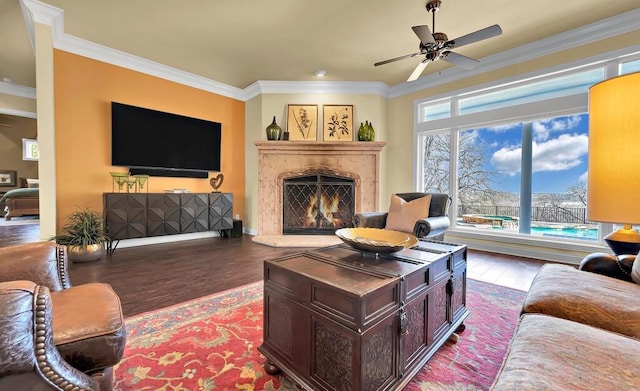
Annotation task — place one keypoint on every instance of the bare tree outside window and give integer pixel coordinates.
(437, 153)
(474, 181)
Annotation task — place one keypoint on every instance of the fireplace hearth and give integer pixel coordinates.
(342, 165)
(317, 204)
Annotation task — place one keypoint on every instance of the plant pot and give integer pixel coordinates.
(91, 253)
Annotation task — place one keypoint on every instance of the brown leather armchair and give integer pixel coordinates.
(54, 336)
(432, 227)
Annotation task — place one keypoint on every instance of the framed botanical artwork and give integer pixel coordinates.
(302, 122)
(337, 122)
(8, 178)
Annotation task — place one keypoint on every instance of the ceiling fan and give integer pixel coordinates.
(434, 46)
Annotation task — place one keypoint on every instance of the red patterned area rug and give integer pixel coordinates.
(210, 344)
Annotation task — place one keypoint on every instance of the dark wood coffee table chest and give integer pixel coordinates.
(340, 319)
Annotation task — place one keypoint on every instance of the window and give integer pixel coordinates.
(532, 91)
(526, 177)
(629, 67)
(514, 157)
(431, 111)
(30, 149)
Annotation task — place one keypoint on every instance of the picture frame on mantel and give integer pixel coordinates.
(337, 123)
(302, 122)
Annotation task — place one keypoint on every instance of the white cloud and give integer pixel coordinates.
(507, 160)
(556, 154)
(543, 128)
(504, 128)
(583, 177)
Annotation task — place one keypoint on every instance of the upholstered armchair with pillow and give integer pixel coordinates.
(422, 214)
(54, 336)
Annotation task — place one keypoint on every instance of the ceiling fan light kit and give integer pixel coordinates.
(434, 46)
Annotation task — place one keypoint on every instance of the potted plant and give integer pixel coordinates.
(85, 235)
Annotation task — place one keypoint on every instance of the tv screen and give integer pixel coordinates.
(150, 139)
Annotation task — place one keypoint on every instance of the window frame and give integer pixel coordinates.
(560, 106)
(27, 148)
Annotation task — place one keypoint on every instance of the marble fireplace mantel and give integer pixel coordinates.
(279, 160)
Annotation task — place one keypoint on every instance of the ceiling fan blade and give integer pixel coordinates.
(424, 34)
(396, 59)
(476, 36)
(459, 60)
(419, 69)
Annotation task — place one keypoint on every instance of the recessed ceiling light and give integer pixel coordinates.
(320, 72)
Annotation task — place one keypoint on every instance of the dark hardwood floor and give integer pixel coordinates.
(16, 234)
(155, 276)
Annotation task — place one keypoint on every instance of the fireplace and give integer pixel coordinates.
(317, 204)
(354, 165)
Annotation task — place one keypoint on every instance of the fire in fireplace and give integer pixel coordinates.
(317, 204)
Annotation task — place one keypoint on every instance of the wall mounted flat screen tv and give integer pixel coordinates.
(163, 144)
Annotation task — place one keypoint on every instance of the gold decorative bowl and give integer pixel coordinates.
(376, 240)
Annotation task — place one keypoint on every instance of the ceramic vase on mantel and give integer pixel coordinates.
(274, 132)
(366, 132)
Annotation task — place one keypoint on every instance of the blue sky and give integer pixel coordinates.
(560, 148)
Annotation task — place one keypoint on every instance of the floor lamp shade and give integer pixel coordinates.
(613, 187)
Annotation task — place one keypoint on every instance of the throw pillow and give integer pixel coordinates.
(403, 215)
(635, 270)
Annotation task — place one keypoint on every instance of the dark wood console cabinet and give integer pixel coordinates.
(139, 215)
(340, 319)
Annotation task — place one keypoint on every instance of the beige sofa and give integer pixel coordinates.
(578, 331)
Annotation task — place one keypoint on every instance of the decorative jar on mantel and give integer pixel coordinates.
(366, 132)
(274, 132)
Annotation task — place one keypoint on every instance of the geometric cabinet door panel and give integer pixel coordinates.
(126, 215)
(220, 211)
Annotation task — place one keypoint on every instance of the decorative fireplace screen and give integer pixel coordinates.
(317, 204)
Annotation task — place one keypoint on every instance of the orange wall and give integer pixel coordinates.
(84, 89)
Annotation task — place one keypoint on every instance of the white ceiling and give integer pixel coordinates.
(238, 42)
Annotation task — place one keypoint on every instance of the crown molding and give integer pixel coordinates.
(39, 12)
(36, 11)
(119, 58)
(46, 14)
(43, 13)
(18, 113)
(590, 33)
(17, 90)
(315, 87)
